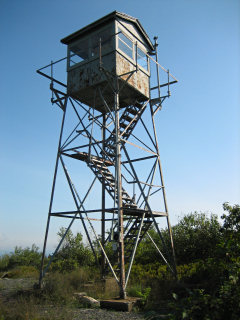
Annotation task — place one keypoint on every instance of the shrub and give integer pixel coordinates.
(195, 237)
(21, 257)
(73, 253)
(25, 257)
(59, 287)
(4, 262)
(24, 272)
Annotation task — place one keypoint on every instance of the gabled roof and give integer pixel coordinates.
(111, 16)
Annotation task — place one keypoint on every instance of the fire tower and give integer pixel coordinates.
(111, 100)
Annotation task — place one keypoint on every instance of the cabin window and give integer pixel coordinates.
(78, 52)
(88, 48)
(106, 42)
(125, 44)
(142, 59)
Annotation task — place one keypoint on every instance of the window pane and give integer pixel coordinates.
(106, 42)
(142, 59)
(125, 48)
(74, 58)
(125, 39)
(78, 53)
(125, 44)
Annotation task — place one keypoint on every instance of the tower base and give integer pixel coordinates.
(120, 304)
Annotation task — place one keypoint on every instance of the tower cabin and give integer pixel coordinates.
(113, 47)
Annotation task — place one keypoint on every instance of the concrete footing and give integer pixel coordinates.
(119, 304)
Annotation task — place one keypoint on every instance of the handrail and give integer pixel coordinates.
(52, 63)
(51, 78)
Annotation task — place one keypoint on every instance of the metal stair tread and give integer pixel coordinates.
(123, 125)
(127, 118)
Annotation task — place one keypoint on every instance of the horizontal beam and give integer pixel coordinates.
(139, 159)
(72, 217)
(126, 212)
(51, 78)
(84, 211)
(164, 85)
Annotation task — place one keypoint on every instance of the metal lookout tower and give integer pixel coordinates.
(109, 109)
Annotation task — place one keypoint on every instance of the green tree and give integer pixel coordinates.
(218, 277)
(196, 237)
(25, 257)
(231, 230)
(73, 253)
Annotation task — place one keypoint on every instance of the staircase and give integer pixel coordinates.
(129, 241)
(99, 166)
(130, 236)
(105, 176)
(127, 123)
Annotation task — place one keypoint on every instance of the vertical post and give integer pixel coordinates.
(52, 193)
(136, 55)
(119, 194)
(157, 68)
(52, 80)
(100, 53)
(103, 259)
(169, 93)
(163, 190)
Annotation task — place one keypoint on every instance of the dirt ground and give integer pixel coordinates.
(12, 289)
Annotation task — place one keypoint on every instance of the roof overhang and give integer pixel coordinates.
(100, 22)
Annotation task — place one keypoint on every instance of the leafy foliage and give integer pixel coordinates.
(21, 257)
(195, 237)
(208, 258)
(73, 253)
(231, 230)
(218, 294)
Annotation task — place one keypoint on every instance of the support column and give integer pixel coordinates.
(164, 194)
(119, 195)
(52, 193)
(103, 259)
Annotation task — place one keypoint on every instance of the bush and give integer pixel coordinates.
(60, 288)
(21, 257)
(218, 278)
(195, 237)
(72, 254)
(4, 262)
(24, 272)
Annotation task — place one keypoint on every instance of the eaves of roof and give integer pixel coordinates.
(111, 16)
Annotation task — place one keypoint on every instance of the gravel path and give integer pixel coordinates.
(86, 314)
(100, 314)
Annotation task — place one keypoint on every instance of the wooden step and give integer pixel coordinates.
(127, 198)
(99, 166)
(127, 118)
(133, 111)
(109, 178)
(123, 125)
(130, 205)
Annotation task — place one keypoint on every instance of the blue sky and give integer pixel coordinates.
(199, 126)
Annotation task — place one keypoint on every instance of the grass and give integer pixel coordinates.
(26, 308)
(23, 272)
(55, 301)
